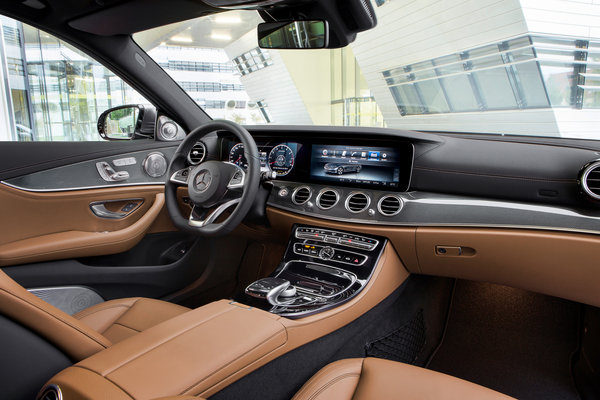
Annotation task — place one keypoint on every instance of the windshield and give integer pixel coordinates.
(450, 66)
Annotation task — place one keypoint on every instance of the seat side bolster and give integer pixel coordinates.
(74, 338)
(384, 379)
(336, 381)
(102, 316)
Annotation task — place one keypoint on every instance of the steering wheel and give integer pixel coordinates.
(213, 186)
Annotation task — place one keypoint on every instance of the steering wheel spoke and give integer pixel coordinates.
(181, 177)
(201, 217)
(222, 192)
(237, 178)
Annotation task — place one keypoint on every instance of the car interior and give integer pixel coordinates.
(162, 251)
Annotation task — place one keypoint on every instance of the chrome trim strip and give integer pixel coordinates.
(429, 209)
(584, 177)
(348, 274)
(337, 198)
(199, 142)
(346, 204)
(213, 216)
(99, 208)
(82, 187)
(385, 197)
(327, 230)
(310, 193)
(47, 388)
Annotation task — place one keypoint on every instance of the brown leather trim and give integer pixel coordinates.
(403, 238)
(384, 379)
(71, 336)
(30, 214)
(77, 243)
(388, 276)
(373, 378)
(190, 352)
(82, 384)
(558, 264)
(337, 380)
(206, 349)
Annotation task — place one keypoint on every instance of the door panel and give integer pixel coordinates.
(58, 225)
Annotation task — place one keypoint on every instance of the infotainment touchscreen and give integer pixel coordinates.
(364, 166)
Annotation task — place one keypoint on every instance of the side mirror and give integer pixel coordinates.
(120, 123)
(293, 35)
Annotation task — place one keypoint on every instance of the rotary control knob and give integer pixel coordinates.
(326, 253)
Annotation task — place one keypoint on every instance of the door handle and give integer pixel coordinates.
(99, 208)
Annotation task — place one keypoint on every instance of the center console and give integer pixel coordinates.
(321, 269)
(327, 278)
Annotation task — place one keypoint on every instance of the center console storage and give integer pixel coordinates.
(185, 355)
(321, 269)
(327, 279)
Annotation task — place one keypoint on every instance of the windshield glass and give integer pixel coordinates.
(506, 68)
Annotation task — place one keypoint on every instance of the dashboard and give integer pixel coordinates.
(384, 165)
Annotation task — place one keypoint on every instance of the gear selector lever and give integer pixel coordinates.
(272, 289)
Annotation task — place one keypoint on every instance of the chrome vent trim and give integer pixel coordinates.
(301, 195)
(590, 180)
(390, 205)
(327, 198)
(357, 202)
(197, 153)
(50, 392)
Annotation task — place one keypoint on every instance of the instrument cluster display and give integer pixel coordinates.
(279, 158)
(384, 165)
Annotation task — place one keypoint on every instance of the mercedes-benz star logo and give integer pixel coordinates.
(203, 180)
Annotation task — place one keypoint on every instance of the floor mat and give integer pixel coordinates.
(513, 341)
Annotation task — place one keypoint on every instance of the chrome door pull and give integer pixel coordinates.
(99, 208)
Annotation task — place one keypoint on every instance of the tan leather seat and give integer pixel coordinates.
(119, 319)
(88, 332)
(374, 378)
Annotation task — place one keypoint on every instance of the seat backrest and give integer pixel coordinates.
(70, 336)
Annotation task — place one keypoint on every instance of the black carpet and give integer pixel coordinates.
(516, 342)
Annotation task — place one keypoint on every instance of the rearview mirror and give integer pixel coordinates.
(293, 35)
(120, 123)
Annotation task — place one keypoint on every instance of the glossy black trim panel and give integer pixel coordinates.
(84, 175)
(432, 209)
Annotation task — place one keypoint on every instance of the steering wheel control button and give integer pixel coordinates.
(237, 178)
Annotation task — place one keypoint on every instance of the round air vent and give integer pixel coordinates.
(590, 180)
(327, 198)
(357, 202)
(301, 195)
(50, 392)
(197, 153)
(390, 205)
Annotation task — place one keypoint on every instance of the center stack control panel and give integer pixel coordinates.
(321, 269)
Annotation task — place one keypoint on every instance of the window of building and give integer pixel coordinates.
(500, 76)
(254, 60)
(54, 92)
